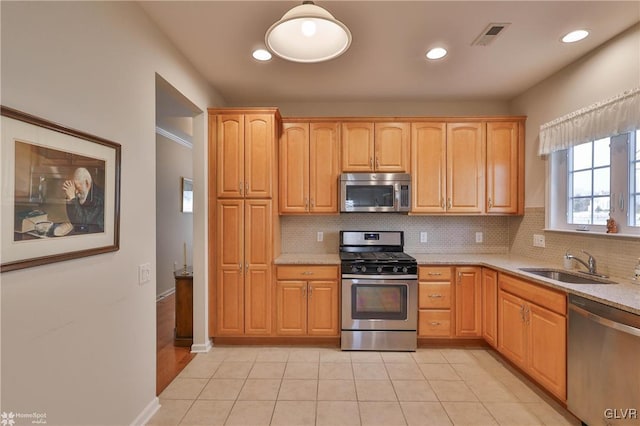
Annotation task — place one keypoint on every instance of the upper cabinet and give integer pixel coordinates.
(505, 167)
(309, 167)
(375, 147)
(245, 147)
(468, 167)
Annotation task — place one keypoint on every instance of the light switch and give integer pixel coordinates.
(144, 273)
(479, 237)
(423, 237)
(320, 236)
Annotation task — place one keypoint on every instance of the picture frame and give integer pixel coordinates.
(186, 206)
(60, 192)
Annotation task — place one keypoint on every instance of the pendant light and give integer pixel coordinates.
(308, 33)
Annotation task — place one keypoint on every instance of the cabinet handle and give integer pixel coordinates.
(442, 203)
(304, 291)
(434, 323)
(246, 266)
(371, 162)
(306, 204)
(527, 311)
(377, 163)
(435, 296)
(307, 273)
(448, 203)
(434, 273)
(490, 203)
(459, 277)
(313, 203)
(522, 312)
(241, 187)
(240, 266)
(310, 292)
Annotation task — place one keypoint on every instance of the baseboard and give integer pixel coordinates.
(148, 412)
(201, 347)
(164, 294)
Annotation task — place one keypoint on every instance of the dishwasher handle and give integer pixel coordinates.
(604, 321)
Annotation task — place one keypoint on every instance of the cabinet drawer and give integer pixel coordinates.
(434, 323)
(306, 272)
(434, 295)
(434, 273)
(545, 297)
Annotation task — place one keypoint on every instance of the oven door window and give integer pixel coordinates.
(369, 196)
(379, 301)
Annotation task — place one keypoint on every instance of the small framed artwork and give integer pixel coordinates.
(187, 196)
(60, 192)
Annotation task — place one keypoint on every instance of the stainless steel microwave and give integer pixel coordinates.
(375, 192)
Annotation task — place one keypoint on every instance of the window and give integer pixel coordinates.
(592, 182)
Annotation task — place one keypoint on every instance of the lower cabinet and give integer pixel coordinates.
(532, 331)
(490, 306)
(434, 301)
(307, 301)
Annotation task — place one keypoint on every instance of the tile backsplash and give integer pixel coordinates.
(457, 234)
(445, 234)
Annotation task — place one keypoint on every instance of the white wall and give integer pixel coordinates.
(78, 337)
(173, 227)
(605, 72)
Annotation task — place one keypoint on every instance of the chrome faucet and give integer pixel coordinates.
(590, 264)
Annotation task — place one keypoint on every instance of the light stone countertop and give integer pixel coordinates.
(624, 295)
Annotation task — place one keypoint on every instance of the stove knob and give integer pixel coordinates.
(363, 269)
(405, 270)
(379, 269)
(354, 268)
(395, 269)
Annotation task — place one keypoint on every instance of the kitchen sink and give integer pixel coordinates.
(566, 276)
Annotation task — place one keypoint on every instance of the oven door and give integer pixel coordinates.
(379, 304)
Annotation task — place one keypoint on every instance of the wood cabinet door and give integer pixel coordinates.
(258, 157)
(547, 350)
(257, 267)
(324, 167)
(429, 167)
(357, 147)
(392, 147)
(512, 336)
(294, 168)
(230, 155)
(502, 167)
(468, 302)
(490, 306)
(465, 167)
(230, 268)
(323, 308)
(291, 308)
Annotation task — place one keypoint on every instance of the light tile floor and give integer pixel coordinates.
(322, 386)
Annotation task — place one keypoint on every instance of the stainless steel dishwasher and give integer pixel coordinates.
(603, 364)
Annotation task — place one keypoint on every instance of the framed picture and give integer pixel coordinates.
(60, 192)
(187, 195)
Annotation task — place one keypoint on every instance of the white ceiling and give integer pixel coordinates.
(386, 59)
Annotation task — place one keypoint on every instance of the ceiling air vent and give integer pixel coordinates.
(489, 34)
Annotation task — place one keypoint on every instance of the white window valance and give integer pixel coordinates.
(619, 114)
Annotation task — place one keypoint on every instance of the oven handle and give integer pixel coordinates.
(379, 277)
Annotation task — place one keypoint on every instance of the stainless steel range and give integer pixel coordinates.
(379, 292)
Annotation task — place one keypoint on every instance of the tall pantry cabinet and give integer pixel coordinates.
(245, 238)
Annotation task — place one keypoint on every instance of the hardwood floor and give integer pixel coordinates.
(170, 359)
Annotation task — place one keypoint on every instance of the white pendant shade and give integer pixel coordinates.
(308, 33)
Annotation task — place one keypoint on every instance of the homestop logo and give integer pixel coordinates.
(12, 419)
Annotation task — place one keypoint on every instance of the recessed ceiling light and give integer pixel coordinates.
(437, 53)
(574, 36)
(261, 55)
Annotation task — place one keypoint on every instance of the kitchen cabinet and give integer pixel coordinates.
(307, 301)
(434, 301)
(532, 331)
(309, 167)
(490, 306)
(468, 302)
(243, 260)
(448, 167)
(245, 142)
(505, 167)
(375, 147)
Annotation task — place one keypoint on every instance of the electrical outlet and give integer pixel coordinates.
(538, 240)
(479, 237)
(144, 273)
(320, 236)
(423, 237)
